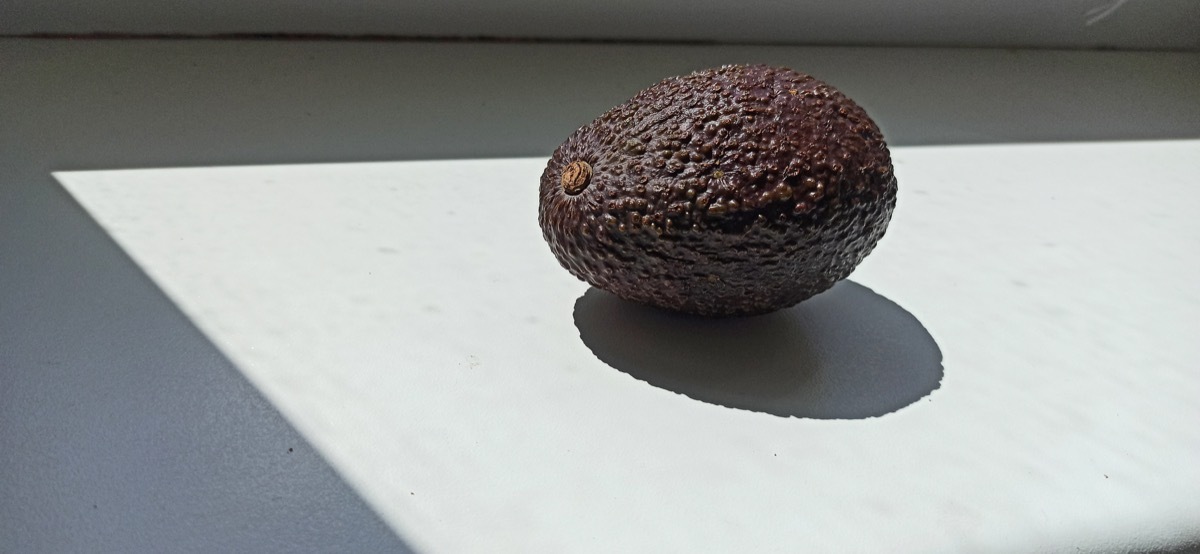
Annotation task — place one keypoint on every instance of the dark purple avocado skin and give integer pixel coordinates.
(738, 190)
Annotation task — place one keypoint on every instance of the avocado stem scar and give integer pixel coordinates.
(576, 176)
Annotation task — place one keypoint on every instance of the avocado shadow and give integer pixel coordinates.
(847, 353)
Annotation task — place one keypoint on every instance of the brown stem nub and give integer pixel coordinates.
(576, 176)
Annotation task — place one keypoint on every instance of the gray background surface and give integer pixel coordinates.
(1010, 23)
(123, 430)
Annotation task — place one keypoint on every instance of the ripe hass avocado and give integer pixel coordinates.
(738, 190)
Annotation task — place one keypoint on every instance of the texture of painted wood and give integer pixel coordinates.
(409, 320)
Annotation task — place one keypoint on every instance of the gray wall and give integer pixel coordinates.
(1155, 24)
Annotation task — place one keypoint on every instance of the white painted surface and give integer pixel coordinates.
(409, 320)
(1012, 23)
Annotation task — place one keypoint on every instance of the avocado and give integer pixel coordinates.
(738, 190)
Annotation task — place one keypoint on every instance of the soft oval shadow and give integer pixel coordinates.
(847, 353)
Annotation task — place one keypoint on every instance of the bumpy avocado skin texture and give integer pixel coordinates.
(738, 190)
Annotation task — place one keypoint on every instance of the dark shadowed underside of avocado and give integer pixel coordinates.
(732, 191)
